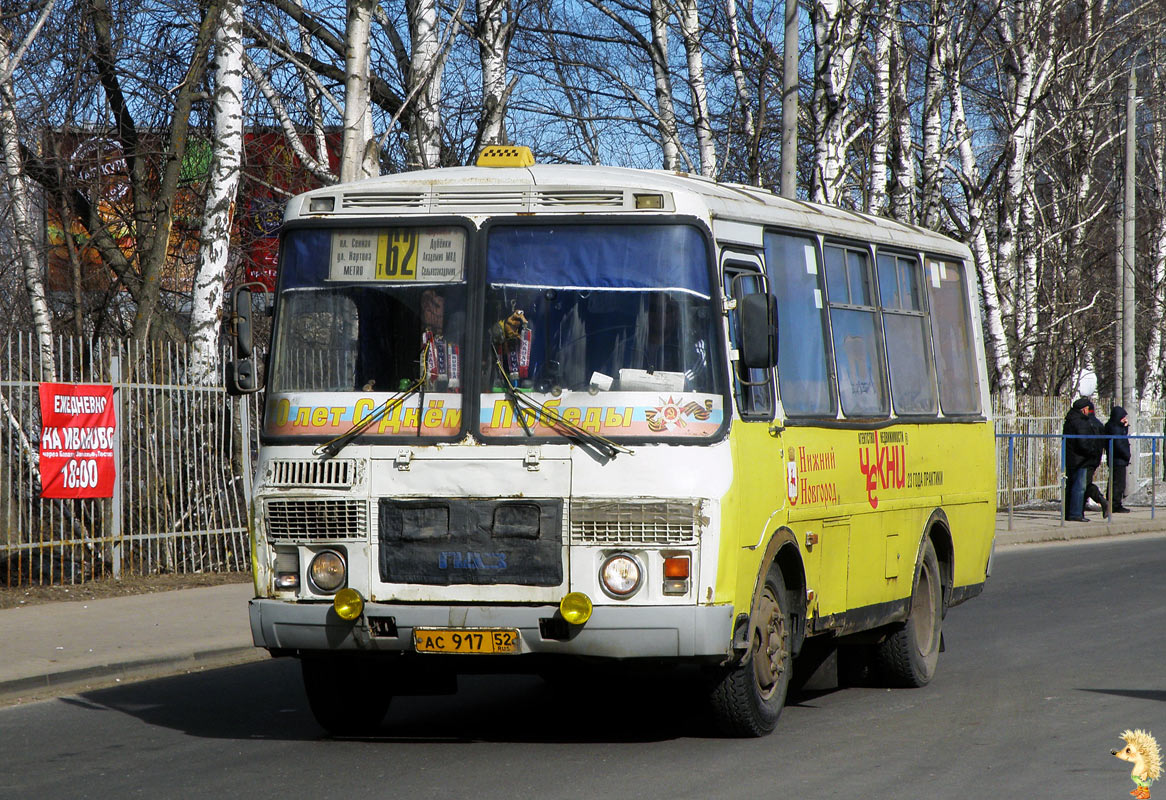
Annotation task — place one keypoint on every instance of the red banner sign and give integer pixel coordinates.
(76, 441)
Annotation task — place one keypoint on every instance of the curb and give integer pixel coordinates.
(54, 684)
(1077, 531)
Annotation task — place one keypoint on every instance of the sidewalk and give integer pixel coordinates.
(52, 649)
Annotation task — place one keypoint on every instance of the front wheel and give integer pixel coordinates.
(348, 695)
(909, 655)
(747, 698)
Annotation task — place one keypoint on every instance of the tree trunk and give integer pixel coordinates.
(358, 157)
(881, 91)
(1153, 385)
(666, 114)
(214, 249)
(837, 29)
(425, 70)
(494, 32)
(22, 222)
(748, 126)
(977, 236)
(690, 32)
(932, 163)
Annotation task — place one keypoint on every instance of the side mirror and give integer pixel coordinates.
(241, 376)
(758, 318)
(242, 317)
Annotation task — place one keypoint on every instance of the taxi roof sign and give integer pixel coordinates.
(505, 156)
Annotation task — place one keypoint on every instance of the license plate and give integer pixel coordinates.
(465, 640)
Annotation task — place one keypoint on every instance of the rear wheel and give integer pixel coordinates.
(909, 655)
(348, 695)
(747, 698)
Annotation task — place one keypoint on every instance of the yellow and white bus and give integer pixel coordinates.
(520, 416)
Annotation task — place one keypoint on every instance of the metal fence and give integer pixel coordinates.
(1028, 441)
(179, 506)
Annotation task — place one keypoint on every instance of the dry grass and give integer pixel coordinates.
(111, 587)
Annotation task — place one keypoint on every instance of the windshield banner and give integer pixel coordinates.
(625, 414)
(76, 441)
(332, 415)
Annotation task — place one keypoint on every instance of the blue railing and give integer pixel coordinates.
(1011, 469)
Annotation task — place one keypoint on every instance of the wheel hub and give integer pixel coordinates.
(769, 645)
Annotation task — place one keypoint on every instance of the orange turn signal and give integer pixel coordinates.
(676, 567)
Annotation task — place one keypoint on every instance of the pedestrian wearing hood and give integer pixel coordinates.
(1118, 427)
(1082, 456)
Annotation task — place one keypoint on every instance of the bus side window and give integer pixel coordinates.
(955, 354)
(905, 324)
(802, 376)
(862, 384)
(755, 397)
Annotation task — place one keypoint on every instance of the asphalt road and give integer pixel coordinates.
(1063, 651)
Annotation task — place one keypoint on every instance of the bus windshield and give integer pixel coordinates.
(614, 325)
(367, 315)
(598, 317)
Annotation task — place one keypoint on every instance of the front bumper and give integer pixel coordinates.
(612, 631)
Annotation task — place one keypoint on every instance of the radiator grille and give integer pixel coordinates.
(634, 522)
(316, 520)
(306, 472)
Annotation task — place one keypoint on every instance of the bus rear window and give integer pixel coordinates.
(955, 352)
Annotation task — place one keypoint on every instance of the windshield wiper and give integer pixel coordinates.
(334, 446)
(585, 438)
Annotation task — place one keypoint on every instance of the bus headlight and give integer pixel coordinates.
(621, 575)
(327, 572)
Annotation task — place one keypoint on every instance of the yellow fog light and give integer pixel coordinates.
(575, 608)
(348, 604)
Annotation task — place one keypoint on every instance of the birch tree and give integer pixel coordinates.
(657, 50)
(883, 35)
(358, 158)
(223, 183)
(493, 32)
(744, 100)
(425, 73)
(19, 202)
(931, 201)
(838, 27)
(974, 222)
(690, 29)
(1154, 388)
(1024, 28)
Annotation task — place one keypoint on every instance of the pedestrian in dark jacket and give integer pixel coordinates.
(1082, 456)
(1118, 453)
(1091, 490)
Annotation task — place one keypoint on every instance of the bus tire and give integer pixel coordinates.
(348, 695)
(747, 698)
(908, 656)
